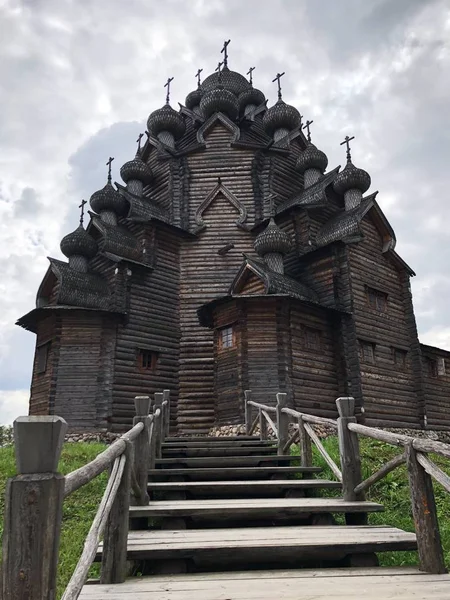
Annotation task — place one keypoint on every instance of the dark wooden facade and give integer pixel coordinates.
(175, 295)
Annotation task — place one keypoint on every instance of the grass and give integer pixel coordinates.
(392, 492)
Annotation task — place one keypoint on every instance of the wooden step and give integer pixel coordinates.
(220, 443)
(238, 488)
(206, 438)
(226, 461)
(251, 508)
(398, 583)
(265, 544)
(218, 451)
(238, 473)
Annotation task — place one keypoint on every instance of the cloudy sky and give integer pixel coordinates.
(78, 79)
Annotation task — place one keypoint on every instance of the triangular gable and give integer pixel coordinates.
(220, 189)
(218, 118)
(247, 280)
(47, 287)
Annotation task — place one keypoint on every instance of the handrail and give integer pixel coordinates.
(433, 470)
(330, 462)
(382, 472)
(262, 406)
(310, 418)
(269, 420)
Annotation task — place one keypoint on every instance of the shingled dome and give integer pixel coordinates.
(351, 178)
(281, 116)
(272, 240)
(193, 99)
(108, 199)
(231, 81)
(79, 243)
(250, 96)
(166, 119)
(136, 169)
(219, 100)
(312, 158)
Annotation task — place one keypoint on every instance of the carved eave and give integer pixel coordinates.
(220, 188)
(31, 320)
(142, 208)
(315, 195)
(213, 119)
(187, 112)
(115, 239)
(250, 116)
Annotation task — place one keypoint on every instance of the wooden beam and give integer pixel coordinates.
(282, 423)
(349, 449)
(382, 472)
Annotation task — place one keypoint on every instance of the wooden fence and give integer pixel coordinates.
(35, 497)
(421, 470)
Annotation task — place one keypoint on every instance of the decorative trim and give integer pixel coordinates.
(226, 122)
(220, 189)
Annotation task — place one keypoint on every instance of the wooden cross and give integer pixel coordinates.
(347, 141)
(224, 51)
(83, 202)
(301, 122)
(167, 85)
(277, 78)
(271, 202)
(108, 164)
(250, 74)
(307, 127)
(140, 136)
(198, 76)
(219, 67)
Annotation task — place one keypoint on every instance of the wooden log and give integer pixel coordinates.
(349, 449)
(395, 439)
(248, 411)
(114, 557)
(385, 469)
(282, 423)
(263, 406)
(262, 426)
(305, 444)
(310, 418)
(431, 446)
(270, 422)
(434, 471)
(330, 462)
(152, 443)
(33, 511)
(294, 437)
(166, 395)
(142, 458)
(254, 424)
(158, 422)
(424, 513)
(85, 474)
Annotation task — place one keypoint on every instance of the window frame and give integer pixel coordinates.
(396, 352)
(364, 344)
(45, 346)
(227, 333)
(312, 339)
(144, 364)
(375, 297)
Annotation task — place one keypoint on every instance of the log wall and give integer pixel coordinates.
(42, 384)
(436, 377)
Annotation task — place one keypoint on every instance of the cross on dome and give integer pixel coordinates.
(347, 141)
(83, 202)
(224, 51)
(307, 126)
(138, 141)
(167, 85)
(108, 164)
(250, 74)
(277, 79)
(198, 76)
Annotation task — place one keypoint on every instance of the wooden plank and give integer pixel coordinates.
(385, 469)
(218, 451)
(434, 471)
(330, 462)
(232, 472)
(218, 461)
(237, 486)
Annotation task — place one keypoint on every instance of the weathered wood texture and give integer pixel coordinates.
(436, 384)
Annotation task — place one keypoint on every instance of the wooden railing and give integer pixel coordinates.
(35, 497)
(420, 468)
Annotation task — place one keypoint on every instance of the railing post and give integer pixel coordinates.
(424, 513)
(166, 394)
(33, 510)
(158, 423)
(262, 426)
(248, 411)
(142, 447)
(115, 539)
(304, 443)
(282, 423)
(349, 449)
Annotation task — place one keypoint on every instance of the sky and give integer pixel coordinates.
(79, 78)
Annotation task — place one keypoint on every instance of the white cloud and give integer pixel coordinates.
(13, 404)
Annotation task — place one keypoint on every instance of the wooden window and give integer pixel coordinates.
(147, 360)
(376, 299)
(312, 338)
(367, 352)
(399, 357)
(432, 367)
(41, 357)
(441, 366)
(226, 338)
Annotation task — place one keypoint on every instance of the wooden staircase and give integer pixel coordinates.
(220, 505)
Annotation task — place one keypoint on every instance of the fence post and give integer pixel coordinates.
(304, 444)
(158, 423)
(166, 394)
(349, 449)
(142, 447)
(33, 510)
(115, 539)
(262, 426)
(248, 411)
(424, 513)
(282, 423)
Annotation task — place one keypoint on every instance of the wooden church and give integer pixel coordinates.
(229, 259)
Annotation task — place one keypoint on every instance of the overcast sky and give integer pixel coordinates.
(78, 79)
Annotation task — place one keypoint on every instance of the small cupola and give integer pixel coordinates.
(312, 162)
(79, 247)
(231, 80)
(193, 98)
(219, 99)
(281, 118)
(351, 182)
(136, 173)
(272, 245)
(251, 98)
(165, 123)
(107, 202)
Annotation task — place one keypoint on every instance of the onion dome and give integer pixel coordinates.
(312, 158)
(250, 96)
(231, 81)
(219, 99)
(136, 169)
(272, 240)
(166, 119)
(281, 116)
(351, 178)
(109, 199)
(79, 243)
(193, 98)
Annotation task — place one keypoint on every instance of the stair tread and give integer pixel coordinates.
(207, 438)
(233, 506)
(222, 443)
(219, 451)
(216, 460)
(236, 485)
(385, 583)
(234, 470)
